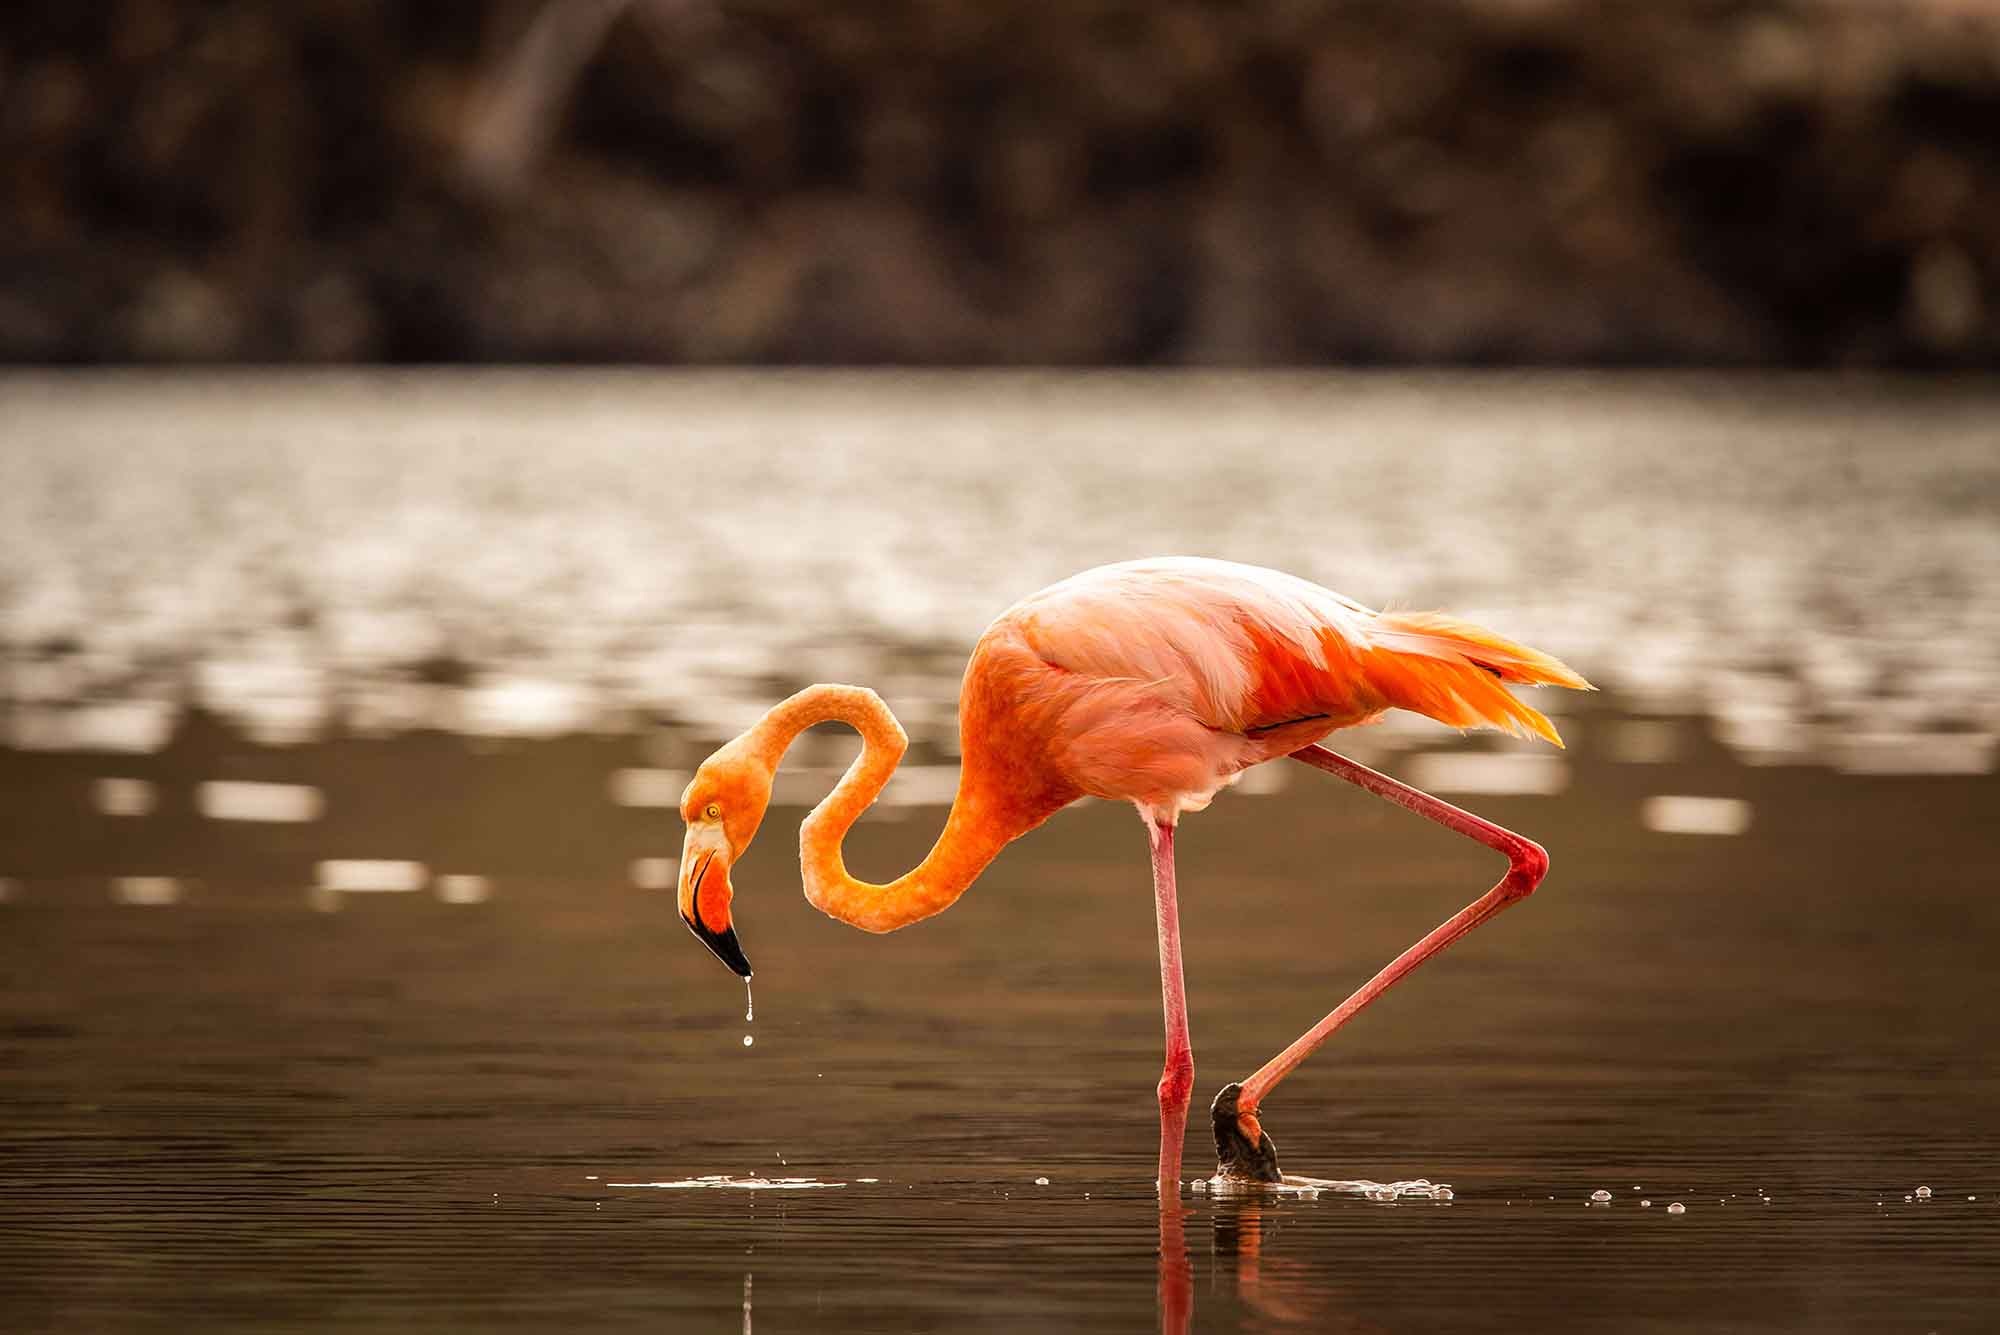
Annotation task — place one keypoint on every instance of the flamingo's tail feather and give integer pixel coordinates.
(1456, 673)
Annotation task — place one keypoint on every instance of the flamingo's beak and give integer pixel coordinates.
(705, 893)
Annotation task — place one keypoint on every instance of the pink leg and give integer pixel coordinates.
(1177, 1080)
(1527, 863)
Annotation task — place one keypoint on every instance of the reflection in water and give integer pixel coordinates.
(1270, 1287)
(1175, 1292)
(1285, 1290)
(1676, 814)
(154, 891)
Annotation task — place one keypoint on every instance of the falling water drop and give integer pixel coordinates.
(749, 1002)
(747, 1040)
(1645, 1205)
(1677, 1208)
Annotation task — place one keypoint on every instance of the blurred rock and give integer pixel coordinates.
(929, 181)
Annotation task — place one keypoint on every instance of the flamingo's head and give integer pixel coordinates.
(723, 806)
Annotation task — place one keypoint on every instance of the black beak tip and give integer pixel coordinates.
(726, 947)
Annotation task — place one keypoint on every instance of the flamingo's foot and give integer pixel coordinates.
(1243, 1152)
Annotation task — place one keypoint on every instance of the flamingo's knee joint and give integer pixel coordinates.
(1177, 1084)
(1530, 865)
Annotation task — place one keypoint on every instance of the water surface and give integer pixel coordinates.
(362, 1039)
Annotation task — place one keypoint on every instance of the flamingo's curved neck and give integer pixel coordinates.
(974, 832)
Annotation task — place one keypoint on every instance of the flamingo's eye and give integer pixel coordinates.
(713, 811)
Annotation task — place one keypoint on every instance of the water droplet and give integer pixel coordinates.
(749, 1003)
(1677, 1208)
(1645, 1205)
(1041, 1182)
(747, 1040)
(1600, 1196)
(1923, 1193)
(1444, 1193)
(1909, 1198)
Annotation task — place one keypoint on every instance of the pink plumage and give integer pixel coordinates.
(1166, 678)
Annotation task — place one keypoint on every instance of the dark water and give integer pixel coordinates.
(233, 1095)
(238, 1111)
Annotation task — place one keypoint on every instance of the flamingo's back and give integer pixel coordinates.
(1172, 674)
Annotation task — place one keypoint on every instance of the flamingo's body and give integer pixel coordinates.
(1155, 682)
(1159, 682)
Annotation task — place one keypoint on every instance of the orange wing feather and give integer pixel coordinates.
(1453, 671)
(1243, 649)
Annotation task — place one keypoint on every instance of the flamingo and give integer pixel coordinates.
(1155, 682)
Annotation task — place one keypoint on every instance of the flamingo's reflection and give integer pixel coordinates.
(1176, 1287)
(1282, 1290)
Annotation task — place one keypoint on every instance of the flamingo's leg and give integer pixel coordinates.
(1244, 1149)
(1177, 1079)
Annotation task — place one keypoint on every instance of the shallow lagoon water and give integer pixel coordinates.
(240, 1110)
(385, 1067)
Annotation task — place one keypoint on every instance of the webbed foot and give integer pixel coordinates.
(1243, 1152)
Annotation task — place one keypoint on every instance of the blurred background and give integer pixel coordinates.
(954, 181)
(428, 429)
